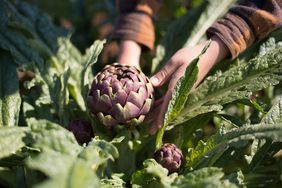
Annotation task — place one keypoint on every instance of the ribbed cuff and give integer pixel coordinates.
(234, 33)
(137, 27)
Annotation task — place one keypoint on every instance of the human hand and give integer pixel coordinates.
(175, 69)
(129, 53)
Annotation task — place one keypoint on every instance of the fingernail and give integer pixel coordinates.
(154, 80)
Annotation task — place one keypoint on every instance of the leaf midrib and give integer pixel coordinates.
(224, 91)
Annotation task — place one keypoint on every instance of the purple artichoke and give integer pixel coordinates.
(120, 94)
(82, 131)
(170, 157)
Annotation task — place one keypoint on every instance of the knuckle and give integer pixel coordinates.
(163, 73)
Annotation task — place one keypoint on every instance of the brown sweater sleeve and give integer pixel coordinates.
(246, 23)
(135, 21)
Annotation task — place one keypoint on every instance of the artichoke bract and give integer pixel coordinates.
(120, 94)
(82, 131)
(170, 157)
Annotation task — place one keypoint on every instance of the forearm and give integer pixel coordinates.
(135, 21)
(129, 53)
(214, 54)
(247, 22)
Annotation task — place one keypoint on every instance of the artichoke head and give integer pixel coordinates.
(120, 94)
(170, 157)
(82, 131)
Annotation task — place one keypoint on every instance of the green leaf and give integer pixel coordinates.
(152, 175)
(115, 182)
(49, 136)
(69, 56)
(231, 120)
(63, 161)
(274, 115)
(90, 58)
(11, 140)
(205, 177)
(207, 153)
(10, 100)
(182, 89)
(7, 177)
(195, 23)
(63, 170)
(180, 94)
(60, 96)
(237, 83)
(98, 152)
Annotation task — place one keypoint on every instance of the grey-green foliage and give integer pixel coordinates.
(209, 177)
(152, 175)
(115, 181)
(236, 83)
(180, 94)
(10, 100)
(274, 115)
(262, 150)
(11, 140)
(55, 60)
(57, 154)
(208, 152)
(63, 75)
(189, 29)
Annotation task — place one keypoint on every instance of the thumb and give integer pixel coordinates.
(162, 76)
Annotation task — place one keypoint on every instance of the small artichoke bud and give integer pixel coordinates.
(170, 157)
(120, 94)
(82, 131)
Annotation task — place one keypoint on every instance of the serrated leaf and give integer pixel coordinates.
(50, 136)
(182, 89)
(180, 94)
(98, 152)
(72, 60)
(152, 175)
(274, 115)
(10, 99)
(90, 58)
(11, 140)
(115, 182)
(60, 96)
(206, 153)
(252, 103)
(231, 120)
(63, 170)
(205, 177)
(236, 83)
(63, 161)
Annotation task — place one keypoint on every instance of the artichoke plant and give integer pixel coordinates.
(120, 94)
(169, 156)
(82, 131)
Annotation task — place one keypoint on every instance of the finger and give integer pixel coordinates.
(159, 101)
(165, 100)
(150, 117)
(158, 123)
(162, 76)
(177, 75)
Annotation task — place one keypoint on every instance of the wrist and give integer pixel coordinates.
(129, 53)
(214, 54)
(219, 48)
